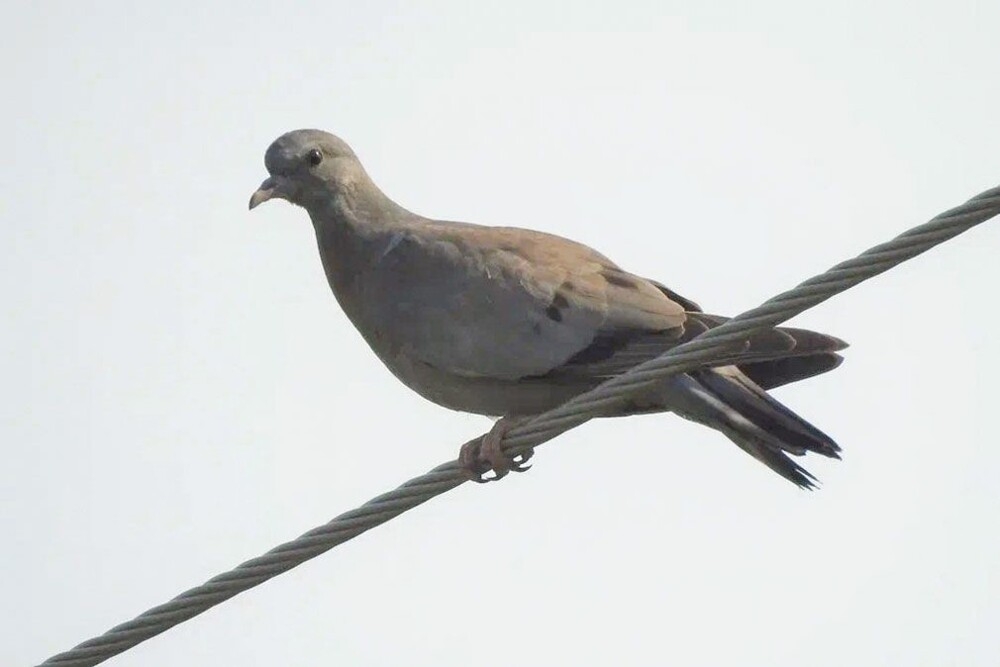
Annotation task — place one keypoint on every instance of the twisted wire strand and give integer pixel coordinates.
(712, 345)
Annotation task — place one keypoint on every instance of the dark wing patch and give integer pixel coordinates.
(612, 353)
(776, 356)
(620, 344)
(602, 348)
(559, 303)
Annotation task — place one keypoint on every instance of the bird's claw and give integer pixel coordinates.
(480, 456)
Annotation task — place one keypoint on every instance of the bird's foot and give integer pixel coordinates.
(478, 457)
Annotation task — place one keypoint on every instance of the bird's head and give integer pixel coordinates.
(306, 167)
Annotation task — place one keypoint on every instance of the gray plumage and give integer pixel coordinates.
(512, 322)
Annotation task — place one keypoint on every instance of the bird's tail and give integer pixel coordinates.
(727, 400)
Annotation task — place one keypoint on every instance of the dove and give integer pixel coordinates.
(509, 322)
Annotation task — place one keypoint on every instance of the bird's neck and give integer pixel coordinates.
(358, 207)
(350, 228)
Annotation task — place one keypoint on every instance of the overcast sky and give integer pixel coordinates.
(180, 392)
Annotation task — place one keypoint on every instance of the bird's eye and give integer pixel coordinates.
(314, 157)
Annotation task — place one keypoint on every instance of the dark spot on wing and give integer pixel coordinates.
(536, 327)
(559, 304)
(618, 279)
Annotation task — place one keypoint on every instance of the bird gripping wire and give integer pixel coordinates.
(693, 354)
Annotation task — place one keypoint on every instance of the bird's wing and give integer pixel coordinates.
(772, 356)
(507, 303)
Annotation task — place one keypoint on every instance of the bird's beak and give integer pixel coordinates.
(273, 187)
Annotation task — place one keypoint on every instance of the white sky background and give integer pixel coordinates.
(180, 392)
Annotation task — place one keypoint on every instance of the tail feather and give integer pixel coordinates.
(779, 462)
(790, 431)
(728, 401)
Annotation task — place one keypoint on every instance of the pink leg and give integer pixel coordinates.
(480, 456)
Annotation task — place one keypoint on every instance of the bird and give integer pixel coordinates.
(509, 322)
